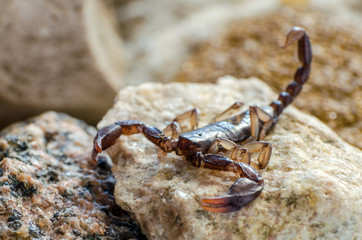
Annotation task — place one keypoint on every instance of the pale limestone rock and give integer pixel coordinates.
(58, 55)
(312, 183)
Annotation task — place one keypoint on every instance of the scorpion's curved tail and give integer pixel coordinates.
(302, 73)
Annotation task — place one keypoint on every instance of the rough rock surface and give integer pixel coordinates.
(250, 48)
(61, 55)
(312, 183)
(49, 187)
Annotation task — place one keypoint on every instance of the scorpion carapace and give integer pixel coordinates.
(227, 142)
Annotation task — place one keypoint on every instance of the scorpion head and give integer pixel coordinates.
(185, 146)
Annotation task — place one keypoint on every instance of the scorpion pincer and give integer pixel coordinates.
(227, 142)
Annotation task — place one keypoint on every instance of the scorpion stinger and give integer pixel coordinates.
(224, 144)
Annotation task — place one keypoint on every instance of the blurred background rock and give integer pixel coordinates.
(73, 56)
(58, 55)
(333, 92)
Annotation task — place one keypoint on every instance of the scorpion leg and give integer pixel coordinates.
(264, 149)
(241, 153)
(229, 112)
(108, 135)
(267, 120)
(234, 151)
(242, 192)
(258, 130)
(174, 129)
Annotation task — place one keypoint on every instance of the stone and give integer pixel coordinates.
(51, 189)
(60, 55)
(251, 48)
(312, 182)
(158, 44)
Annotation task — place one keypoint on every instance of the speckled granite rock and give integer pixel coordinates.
(312, 183)
(49, 187)
(60, 55)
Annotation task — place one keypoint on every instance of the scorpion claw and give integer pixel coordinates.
(240, 194)
(95, 152)
(218, 205)
(105, 138)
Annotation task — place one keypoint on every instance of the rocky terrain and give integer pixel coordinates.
(312, 183)
(51, 189)
(74, 56)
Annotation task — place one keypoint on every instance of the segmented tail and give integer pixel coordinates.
(302, 73)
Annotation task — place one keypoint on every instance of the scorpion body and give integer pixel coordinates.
(227, 142)
(232, 129)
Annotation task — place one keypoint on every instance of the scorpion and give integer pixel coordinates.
(227, 142)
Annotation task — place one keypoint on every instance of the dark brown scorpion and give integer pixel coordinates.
(226, 143)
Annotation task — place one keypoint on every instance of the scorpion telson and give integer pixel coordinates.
(227, 142)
